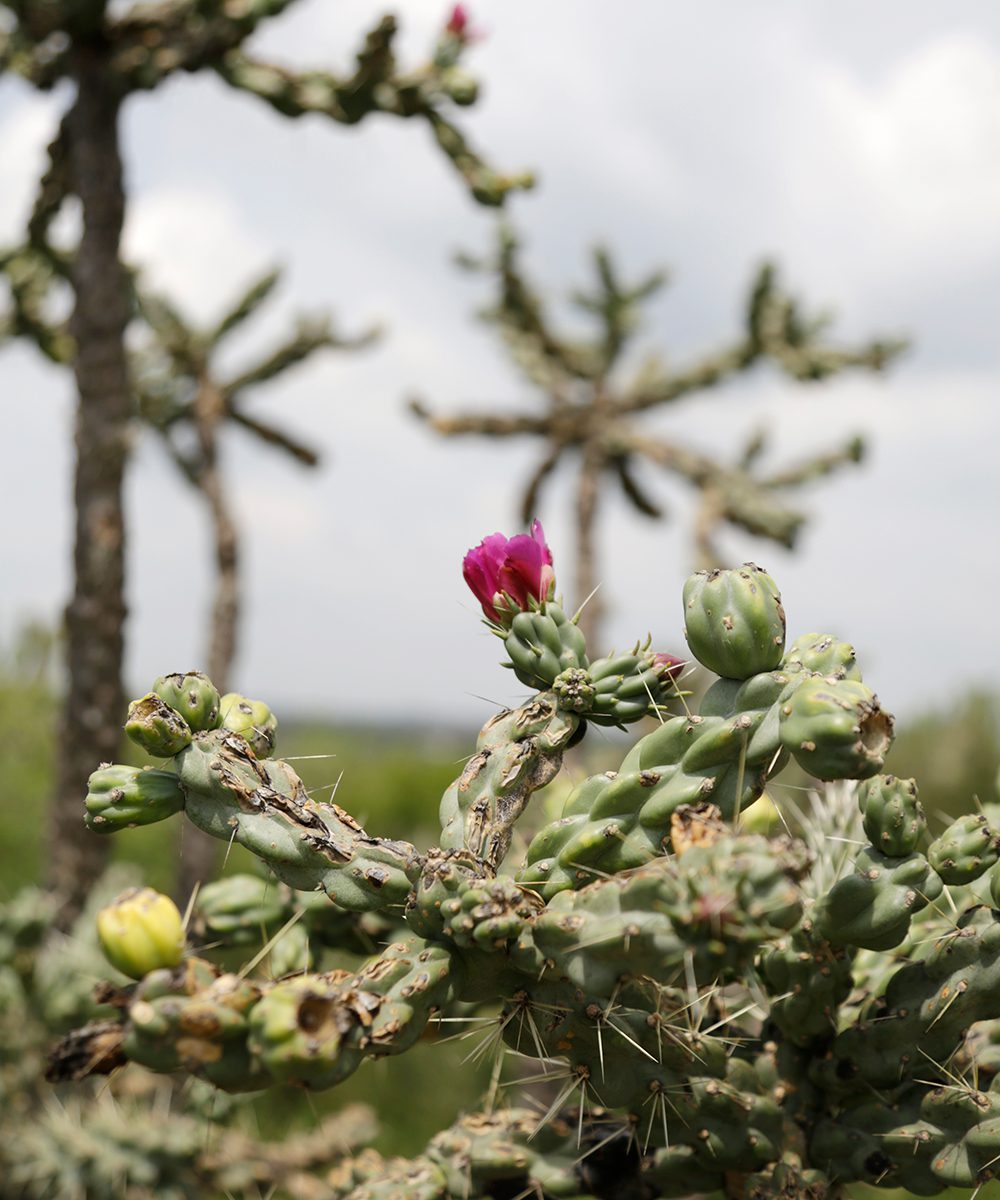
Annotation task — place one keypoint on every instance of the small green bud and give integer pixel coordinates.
(238, 907)
(159, 729)
(251, 718)
(893, 816)
(966, 849)
(734, 621)
(574, 690)
(141, 931)
(119, 797)
(193, 695)
(823, 654)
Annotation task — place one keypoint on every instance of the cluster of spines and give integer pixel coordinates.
(621, 951)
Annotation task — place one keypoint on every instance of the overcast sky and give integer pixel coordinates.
(856, 144)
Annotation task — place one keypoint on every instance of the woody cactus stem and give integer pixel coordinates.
(96, 613)
(716, 1010)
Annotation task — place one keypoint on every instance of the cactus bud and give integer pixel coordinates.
(193, 695)
(156, 727)
(510, 575)
(141, 931)
(238, 907)
(965, 850)
(823, 654)
(119, 797)
(893, 817)
(250, 718)
(734, 622)
(836, 729)
(574, 690)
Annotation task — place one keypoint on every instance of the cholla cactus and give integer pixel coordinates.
(711, 1009)
(141, 1139)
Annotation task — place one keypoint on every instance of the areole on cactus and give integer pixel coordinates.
(716, 1009)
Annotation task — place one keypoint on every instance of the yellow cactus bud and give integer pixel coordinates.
(141, 932)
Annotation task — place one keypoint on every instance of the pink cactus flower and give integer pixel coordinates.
(510, 575)
(458, 21)
(459, 27)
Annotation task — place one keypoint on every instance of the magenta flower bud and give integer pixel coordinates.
(458, 21)
(669, 665)
(510, 575)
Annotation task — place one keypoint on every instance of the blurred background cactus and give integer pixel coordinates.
(588, 408)
(108, 56)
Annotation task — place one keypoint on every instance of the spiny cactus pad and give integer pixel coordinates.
(713, 1009)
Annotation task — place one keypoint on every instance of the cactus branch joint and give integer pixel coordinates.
(713, 1008)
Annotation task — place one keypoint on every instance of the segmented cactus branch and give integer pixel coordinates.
(710, 1008)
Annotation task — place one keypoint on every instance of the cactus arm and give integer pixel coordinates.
(311, 846)
(517, 753)
(615, 824)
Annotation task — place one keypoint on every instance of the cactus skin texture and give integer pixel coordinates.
(715, 1010)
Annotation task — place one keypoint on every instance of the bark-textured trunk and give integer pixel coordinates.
(94, 702)
(209, 414)
(587, 581)
(199, 852)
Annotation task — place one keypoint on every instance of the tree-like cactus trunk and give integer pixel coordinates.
(199, 852)
(587, 581)
(95, 615)
(209, 415)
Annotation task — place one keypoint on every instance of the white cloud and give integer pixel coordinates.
(193, 243)
(25, 131)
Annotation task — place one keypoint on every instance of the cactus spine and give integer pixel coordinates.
(717, 1009)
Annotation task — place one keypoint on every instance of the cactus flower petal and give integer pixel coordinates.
(510, 575)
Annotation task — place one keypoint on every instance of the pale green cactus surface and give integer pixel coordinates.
(708, 1009)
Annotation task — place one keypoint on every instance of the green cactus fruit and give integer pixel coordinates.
(734, 621)
(822, 654)
(298, 1030)
(873, 907)
(835, 728)
(965, 850)
(251, 719)
(141, 931)
(120, 797)
(894, 819)
(193, 695)
(289, 953)
(156, 727)
(239, 907)
(542, 645)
